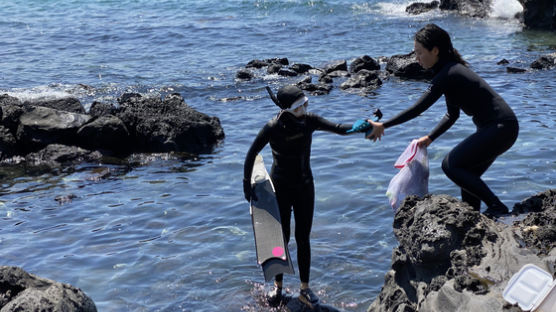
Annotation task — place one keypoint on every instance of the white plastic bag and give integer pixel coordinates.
(413, 178)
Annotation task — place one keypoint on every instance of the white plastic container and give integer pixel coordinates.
(533, 289)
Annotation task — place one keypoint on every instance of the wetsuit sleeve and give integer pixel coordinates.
(260, 141)
(321, 123)
(445, 123)
(433, 93)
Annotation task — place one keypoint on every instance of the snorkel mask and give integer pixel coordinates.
(290, 99)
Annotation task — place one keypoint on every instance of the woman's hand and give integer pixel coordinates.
(377, 132)
(424, 141)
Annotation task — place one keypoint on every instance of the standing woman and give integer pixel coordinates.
(497, 126)
(290, 136)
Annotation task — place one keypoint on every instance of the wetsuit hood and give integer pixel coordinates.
(287, 95)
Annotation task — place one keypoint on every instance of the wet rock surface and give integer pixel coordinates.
(21, 291)
(405, 66)
(545, 62)
(421, 7)
(58, 132)
(539, 14)
(472, 8)
(169, 124)
(452, 258)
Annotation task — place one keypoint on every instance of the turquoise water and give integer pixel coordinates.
(174, 234)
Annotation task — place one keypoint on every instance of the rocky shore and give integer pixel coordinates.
(59, 132)
(362, 75)
(21, 291)
(449, 258)
(537, 14)
(452, 258)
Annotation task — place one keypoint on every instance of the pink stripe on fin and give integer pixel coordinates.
(277, 251)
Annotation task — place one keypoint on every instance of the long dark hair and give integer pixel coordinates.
(432, 36)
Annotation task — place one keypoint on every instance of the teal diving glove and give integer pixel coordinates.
(359, 126)
(362, 125)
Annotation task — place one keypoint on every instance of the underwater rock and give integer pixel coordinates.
(452, 258)
(22, 291)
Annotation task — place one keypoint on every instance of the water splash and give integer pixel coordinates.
(394, 9)
(40, 93)
(506, 9)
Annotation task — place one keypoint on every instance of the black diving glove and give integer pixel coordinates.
(248, 191)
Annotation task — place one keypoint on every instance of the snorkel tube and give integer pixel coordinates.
(272, 96)
(378, 114)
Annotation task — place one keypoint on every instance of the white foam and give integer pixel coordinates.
(40, 93)
(505, 8)
(392, 9)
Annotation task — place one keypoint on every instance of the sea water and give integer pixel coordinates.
(174, 233)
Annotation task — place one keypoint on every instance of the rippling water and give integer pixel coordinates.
(174, 234)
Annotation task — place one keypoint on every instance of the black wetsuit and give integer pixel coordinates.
(497, 127)
(290, 140)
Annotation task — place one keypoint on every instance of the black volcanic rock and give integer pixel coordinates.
(539, 14)
(421, 7)
(452, 258)
(167, 125)
(21, 291)
(405, 66)
(472, 8)
(545, 62)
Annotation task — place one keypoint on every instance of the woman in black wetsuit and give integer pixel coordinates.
(290, 136)
(497, 126)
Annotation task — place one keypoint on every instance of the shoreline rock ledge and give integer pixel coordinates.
(452, 258)
(21, 291)
(49, 133)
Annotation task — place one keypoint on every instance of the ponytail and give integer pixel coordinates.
(456, 57)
